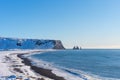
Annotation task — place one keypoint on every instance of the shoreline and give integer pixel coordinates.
(45, 72)
(13, 64)
(16, 63)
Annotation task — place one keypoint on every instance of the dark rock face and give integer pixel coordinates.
(38, 42)
(19, 44)
(75, 48)
(58, 45)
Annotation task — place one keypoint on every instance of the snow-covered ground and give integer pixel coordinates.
(11, 65)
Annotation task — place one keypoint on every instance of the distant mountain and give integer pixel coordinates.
(12, 43)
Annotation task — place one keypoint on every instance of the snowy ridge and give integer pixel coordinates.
(14, 43)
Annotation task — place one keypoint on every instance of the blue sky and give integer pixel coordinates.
(86, 23)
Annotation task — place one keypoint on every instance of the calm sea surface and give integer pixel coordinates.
(103, 63)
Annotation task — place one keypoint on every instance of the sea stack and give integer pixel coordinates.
(75, 48)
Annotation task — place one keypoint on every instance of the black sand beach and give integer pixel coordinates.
(45, 72)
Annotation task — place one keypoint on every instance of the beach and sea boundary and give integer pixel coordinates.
(21, 67)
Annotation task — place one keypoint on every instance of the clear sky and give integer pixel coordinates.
(86, 23)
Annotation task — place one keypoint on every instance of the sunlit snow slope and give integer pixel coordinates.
(13, 43)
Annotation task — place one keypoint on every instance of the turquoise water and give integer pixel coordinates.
(104, 63)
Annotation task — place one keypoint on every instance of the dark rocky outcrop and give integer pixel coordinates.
(75, 48)
(58, 45)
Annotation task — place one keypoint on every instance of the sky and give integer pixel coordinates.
(85, 23)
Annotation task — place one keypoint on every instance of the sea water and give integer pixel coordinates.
(101, 64)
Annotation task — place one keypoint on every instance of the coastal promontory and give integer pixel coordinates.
(15, 43)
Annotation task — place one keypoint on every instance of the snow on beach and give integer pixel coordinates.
(12, 65)
(4, 70)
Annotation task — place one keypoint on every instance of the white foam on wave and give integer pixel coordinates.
(58, 72)
(89, 76)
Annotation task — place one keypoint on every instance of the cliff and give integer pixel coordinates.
(12, 43)
(58, 45)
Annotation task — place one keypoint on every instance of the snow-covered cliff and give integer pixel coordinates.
(12, 43)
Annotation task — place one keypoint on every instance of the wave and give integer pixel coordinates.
(67, 73)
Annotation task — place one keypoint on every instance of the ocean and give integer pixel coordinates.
(81, 64)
